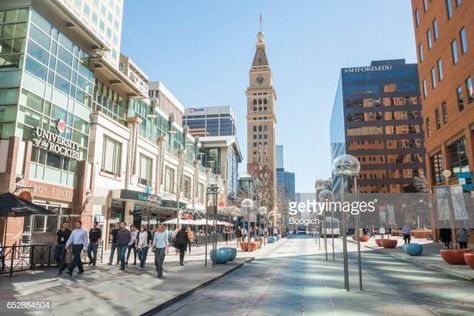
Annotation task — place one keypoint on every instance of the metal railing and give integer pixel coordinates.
(29, 257)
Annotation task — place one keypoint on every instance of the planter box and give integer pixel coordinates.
(413, 249)
(223, 255)
(469, 259)
(378, 242)
(245, 246)
(233, 252)
(454, 256)
(362, 238)
(389, 243)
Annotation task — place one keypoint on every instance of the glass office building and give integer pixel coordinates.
(376, 117)
(210, 121)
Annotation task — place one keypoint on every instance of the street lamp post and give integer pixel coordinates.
(247, 204)
(212, 191)
(345, 165)
(326, 195)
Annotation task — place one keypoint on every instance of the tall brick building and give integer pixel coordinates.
(444, 31)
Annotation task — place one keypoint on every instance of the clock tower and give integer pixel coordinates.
(261, 125)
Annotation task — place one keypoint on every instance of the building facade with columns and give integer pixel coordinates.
(82, 136)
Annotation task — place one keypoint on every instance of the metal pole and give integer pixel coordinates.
(205, 246)
(325, 241)
(359, 255)
(344, 239)
(332, 235)
(319, 235)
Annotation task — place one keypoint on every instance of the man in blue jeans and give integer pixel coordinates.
(95, 234)
(123, 239)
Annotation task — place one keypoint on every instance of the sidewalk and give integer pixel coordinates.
(104, 289)
(430, 258)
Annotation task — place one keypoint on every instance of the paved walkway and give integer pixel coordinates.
(430, 257)
(297, 280)
(105, 290)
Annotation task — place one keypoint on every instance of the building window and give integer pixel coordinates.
(111, 156)
(145, 170)
(200, 195)
(440, 70)
(437, 168)
(458, 3)
(428, 127)
(428, 39)
(425, 5)
(449, 9)
(444, 108)
(187, 187)
(458, 156)
(470, 90)
(462, 35)
(438, 119)
(433, 78)
(420, 51)
(454, 51)
(169, 180)
(435, 29)
(425, 89)
(417, 18)
(460, 98)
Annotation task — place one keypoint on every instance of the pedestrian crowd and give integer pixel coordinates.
(124, 242)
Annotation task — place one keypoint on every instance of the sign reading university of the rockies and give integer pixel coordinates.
(368, 68)
(55, 143)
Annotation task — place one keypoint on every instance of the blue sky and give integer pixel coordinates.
(202, 51)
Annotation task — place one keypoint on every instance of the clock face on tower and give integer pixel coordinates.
(260, 80)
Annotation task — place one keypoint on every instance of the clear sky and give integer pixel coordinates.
(202, 51)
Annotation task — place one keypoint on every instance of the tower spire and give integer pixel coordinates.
(261, 22)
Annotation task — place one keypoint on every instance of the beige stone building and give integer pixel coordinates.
(261, 121)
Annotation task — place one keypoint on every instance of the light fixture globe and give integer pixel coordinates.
(325, 195)
(262, 209)
(246, 203)
(346, 165)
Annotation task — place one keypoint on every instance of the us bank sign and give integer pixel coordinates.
(368, 68)
(55, 143)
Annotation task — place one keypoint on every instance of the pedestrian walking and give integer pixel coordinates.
(227, 235)
(382, 231)
(62, 236)
(113, 244)
(123, 239)
(463, 237)
(160, 245)
(238, 236)
(406, 234)
(190, 237)
(445, 236)
(78, 241)
(181, 243)
(244, 233)
(142, 244)
(131, 245)
(95, 235)
(372, 232)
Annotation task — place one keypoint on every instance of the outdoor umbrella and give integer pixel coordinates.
(13, 206)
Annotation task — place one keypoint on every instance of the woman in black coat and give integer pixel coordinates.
(181, 242)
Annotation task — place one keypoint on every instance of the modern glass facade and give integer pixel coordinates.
(376, 118)
(286, 184)
(56, 89)
(210, 121)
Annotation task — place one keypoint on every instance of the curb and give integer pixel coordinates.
(178, 298)
(422, 264)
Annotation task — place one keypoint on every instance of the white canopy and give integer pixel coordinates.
(181, 221)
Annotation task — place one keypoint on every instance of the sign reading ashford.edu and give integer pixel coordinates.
(368, 68)
(55, 143)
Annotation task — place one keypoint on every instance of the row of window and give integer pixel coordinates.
(457, 157)
(469, 85)
(112, 164)
(379, 102)
(379, 116)
(449, 9)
